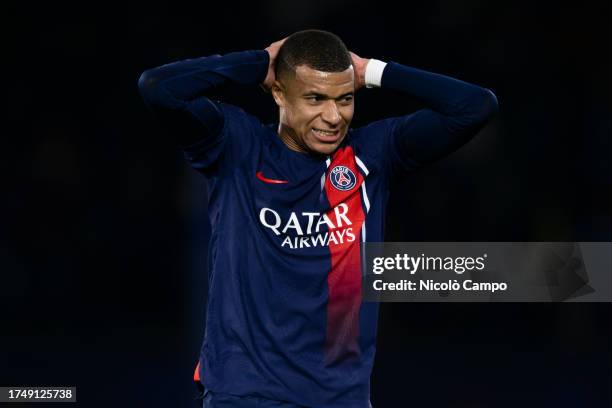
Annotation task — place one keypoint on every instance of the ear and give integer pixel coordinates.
(278, 93)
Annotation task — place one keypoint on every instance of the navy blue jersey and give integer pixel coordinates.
(285, 319)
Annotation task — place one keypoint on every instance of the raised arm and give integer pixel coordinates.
(455, 110)
(176, 92)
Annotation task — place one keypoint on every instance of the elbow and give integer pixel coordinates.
(488, 106)
(476, 111)
(148, 85)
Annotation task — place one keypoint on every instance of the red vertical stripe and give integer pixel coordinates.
(344, 278)
(196, 373)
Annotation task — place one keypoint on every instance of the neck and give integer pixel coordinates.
(287, 135)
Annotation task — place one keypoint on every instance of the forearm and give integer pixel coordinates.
(443, 94)
(455, 111)
(176, 92)
(175, 83)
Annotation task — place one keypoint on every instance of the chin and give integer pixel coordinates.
(327, 150)
(324, 148)
(319, 147)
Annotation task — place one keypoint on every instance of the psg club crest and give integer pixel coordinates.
(342, 178)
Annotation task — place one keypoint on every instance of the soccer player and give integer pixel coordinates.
(291, 205)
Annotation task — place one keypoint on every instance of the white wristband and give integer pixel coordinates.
(373, 73)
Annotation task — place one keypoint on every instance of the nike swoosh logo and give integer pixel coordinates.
(260, 176)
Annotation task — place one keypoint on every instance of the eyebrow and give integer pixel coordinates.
(313, 93)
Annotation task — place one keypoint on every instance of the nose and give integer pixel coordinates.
(331, 114)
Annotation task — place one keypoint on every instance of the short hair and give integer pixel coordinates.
(317, 49)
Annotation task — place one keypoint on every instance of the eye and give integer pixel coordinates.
(346, 99)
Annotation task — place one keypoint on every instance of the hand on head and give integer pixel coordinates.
(273, 52)
(359, 65)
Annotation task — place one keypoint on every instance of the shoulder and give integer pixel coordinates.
(371, 139)
(371, 132)
(236, 116)
(240, 126)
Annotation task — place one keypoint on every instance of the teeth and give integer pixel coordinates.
(324, 132)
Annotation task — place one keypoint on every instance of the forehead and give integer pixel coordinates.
(307, 79)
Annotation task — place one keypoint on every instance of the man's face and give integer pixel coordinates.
(316, 108)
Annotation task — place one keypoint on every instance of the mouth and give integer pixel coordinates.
(326, 136)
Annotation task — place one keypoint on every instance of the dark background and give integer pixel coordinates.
(104, 228)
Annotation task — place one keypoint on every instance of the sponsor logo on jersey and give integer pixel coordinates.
(342, 178)
(310, 229)
(261, 177)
